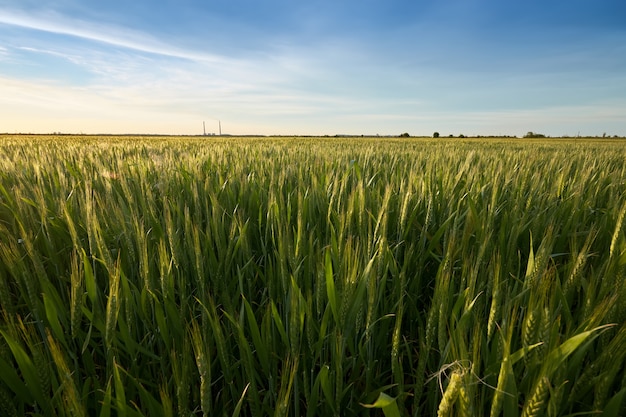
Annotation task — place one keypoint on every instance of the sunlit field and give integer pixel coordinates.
(212, 276)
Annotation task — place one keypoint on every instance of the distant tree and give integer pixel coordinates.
(534, 135)
(436, 135)
(461, 135)
(405, 135)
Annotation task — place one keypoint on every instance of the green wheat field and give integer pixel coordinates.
(212, 276)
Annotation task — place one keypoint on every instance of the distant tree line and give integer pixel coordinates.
(528, 135)
(534, 135)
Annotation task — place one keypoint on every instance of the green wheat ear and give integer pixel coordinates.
(536, 403)
(450, 395)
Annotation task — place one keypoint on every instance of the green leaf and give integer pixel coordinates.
(614, 406)
(52, 313)
(330, 285)
(357, 170)
(279, 325)
(510, 392)
(161, 320)
(90, 281)
(435, 240)
(522, 352)
(120, 391)
(558, 355)
(261, 348)
(13, 381)
(28, 370)
(148, 401)
(105, 411)
(326, 387)
(530, 267)
(237, 409)
(387, 404)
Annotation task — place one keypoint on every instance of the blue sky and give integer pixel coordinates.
(319, 67)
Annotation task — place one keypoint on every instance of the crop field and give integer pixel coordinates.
(212, 276)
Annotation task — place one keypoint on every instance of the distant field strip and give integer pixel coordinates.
(160, 276)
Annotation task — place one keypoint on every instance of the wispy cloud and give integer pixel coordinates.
(123, 37)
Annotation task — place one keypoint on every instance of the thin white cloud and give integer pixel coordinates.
(117, 36)
(72, 57)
